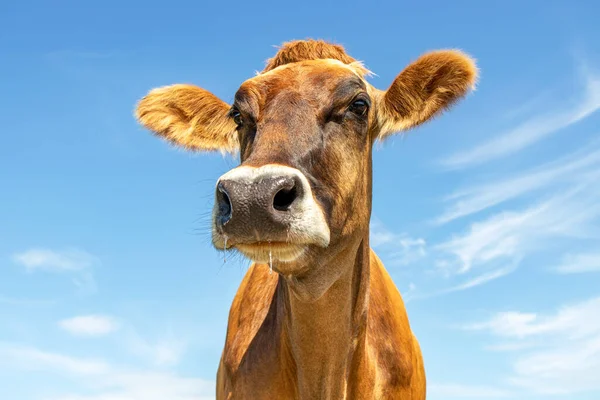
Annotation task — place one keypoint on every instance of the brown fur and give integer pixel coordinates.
(296, 51)
(426, 88)
(188, 116)
(330, 325)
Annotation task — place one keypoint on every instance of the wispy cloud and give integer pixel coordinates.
(164, 352)
(510, 235)
(401, 248)
(576, 167)
(99, 380)
(564, 355)
(89, 325)
(572, 321)
(41, 259)
(477, 280)
(32, 359)
(493, 247)
(533, 129)
(147, 386)
(580, 263)
(78, 264)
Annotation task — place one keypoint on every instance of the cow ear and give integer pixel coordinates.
(424, 89)
(189, 117)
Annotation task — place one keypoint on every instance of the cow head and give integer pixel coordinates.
(304, 129)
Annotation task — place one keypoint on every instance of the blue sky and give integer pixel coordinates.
(487, 218)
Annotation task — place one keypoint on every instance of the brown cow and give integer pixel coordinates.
(330, 323)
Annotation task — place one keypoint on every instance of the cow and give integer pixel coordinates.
(316, 316)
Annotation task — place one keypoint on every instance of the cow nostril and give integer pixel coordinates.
(284, 198)
(224, 204)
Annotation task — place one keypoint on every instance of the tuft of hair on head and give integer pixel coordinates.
(311, 49)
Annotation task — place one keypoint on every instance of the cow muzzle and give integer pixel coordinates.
(267, 213)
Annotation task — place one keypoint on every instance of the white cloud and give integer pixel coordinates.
(445, 391)
(480, 279)
(55, 261)
(29, 358)
(508, 236)
(379, 234)
(379, 237)
(495, 246)
(401, 249)
(573, 321)
(564, 355)
(101, 381)
(532, 130)
(147, 386)
(579, 263)
(76, 263)
(89, 325)
(164, 352)
(578, 166)
(565, 369)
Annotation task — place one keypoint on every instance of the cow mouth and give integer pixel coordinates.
(268, 252)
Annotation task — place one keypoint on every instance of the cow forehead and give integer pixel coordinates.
(305, 75)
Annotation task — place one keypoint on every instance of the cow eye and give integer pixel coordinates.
(237, 117)
(359, 107)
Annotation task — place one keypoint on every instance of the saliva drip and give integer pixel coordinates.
(225, 251)
(270, 259)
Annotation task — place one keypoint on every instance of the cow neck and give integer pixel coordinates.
(324, 334)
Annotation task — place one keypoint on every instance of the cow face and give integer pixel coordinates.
(304, 132)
